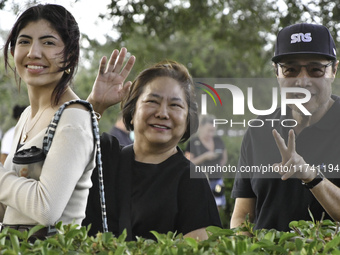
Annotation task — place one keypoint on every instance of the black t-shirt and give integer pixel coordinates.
(280, 202)
(163, 196)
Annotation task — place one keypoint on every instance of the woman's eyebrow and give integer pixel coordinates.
(159, 96)
(42, 37)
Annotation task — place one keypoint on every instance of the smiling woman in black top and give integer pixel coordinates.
(150, 184)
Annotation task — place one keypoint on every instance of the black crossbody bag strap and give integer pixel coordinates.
(48, 141)
(125, 177)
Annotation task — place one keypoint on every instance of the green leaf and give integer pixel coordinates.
(159, 237)
(213, 230)
(191, 242)
(336, 252)
(269, 236)
(122, 237)
(35, 229)
(286, 236)
(53, 242)
(59, 225)
(265, 243)
(17, 233)
(72, 233)
(120, 250)
(299, 244)
(241, 247)
(311, 215)
(293, 224)
(333, 244)
(107, 237)
(3, 236)
(15, 242)
(276, 248)
(328, 223)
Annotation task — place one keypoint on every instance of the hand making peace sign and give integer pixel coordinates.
(292, 163)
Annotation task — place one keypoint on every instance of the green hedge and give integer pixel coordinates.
(306, 237)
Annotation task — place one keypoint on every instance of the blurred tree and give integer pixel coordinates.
(2, 4)
(201, 34)
(10, 94)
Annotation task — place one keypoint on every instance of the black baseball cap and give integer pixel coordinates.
(304, 39)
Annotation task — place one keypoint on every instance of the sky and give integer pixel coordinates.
(86, 13)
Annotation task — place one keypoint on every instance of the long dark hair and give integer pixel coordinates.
(64, 23)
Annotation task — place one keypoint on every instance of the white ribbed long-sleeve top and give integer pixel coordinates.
(55, 189)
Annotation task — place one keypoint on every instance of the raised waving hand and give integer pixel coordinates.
(109, 88)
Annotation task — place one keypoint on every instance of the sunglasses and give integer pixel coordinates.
(314, 70)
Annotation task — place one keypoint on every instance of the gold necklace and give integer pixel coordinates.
(24, 138)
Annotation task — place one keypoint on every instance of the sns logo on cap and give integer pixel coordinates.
(298, 37)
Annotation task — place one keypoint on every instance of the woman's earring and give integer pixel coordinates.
(68, 71)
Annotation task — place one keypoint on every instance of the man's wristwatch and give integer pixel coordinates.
(318, 178)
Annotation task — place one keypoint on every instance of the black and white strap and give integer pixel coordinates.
(49, 137)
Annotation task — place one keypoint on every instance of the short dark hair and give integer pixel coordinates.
(66, 26)
(170, 69)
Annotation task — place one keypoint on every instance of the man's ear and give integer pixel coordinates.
(335, 69)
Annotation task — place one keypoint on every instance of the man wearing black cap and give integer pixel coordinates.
(305, 160)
